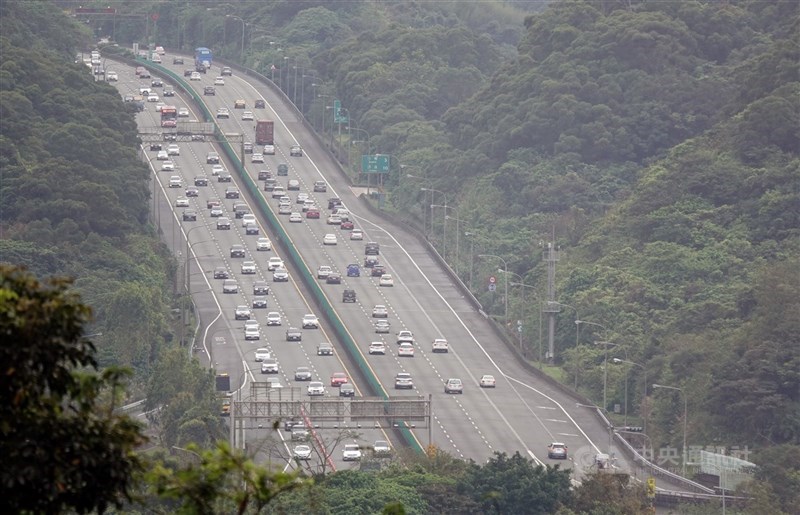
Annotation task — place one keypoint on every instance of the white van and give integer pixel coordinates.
(155, 58)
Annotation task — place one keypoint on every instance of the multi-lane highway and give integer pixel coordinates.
(522, 413)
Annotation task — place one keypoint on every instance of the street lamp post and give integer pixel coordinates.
(505, 268)
(644, 394)
(433, 190)
(241, 53)
(471, 236)
(685, 413)
(458, 235)
(188, 283)
(605, 368)
(578, 323)
(540, 319)
(303, 91)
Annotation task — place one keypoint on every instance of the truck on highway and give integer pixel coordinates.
(265, 132)
(202, 59)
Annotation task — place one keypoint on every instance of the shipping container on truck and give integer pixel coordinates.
(265, 132)
(202, 59)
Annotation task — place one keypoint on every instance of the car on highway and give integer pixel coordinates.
(252, 333)
(372, 249)
(320, 187)
(351, 452)
(181, 202)
(347, 390)
(112, 76)
(273, 318)
(232, 192)
(294, 334)
(348, 295)
(302, 452)
(301, 198)
(308, 204)
(174, 150)
(260, 287)
(405, 337)
(259, 302)
(269, 366)
(382, 326)
(209, 91)
(356, 234)
(295, 151)
(260, 104)
(247, 116)
(381, 447)
(310, 321)
(293, 185)
(323, 271)
(257, 158)
(183, 112)
(189, 215)
(315, 388)
(242, 312)
(371, 262)
(406, 350)
(251, 230)
(213, 158)
(221, 273)
(273, 382)
(216, 212)
(219, 81)
(226, 71)
(334, 202)
(312, 212)
(334, 220)
(439, 345)
(299, 434)
(285, 209)
(224, 177)
(191, 191)
(239, 104)
(248, 267)
(295, 217)
(380, 311)
(329, 239)
(333, 278)
(201, 180)
(162, 154)
(283, 169)
(557, 451)
(263, 244)
(195, 76)
(167, 166)
(269, 150)
(175, 181)
(223, 112)
(377, 348)
(487, 381)
(262, 353)
(280, 275)
(230, 286)
(347, 225)
(302, 374)
(237, 251)
(403, 381)
(454, 385)
(338, 379)
(386, 280)
(274, 262)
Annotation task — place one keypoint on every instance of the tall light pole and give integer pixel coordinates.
(644, 393)
(433, 190)
(505, 268)
(541, 340)
(303, 90)
(471, 236)
(458, 236)
(188, 283)
(241, 53)
(578, 323)
(522, 308)
(685, 413)
(605, 368)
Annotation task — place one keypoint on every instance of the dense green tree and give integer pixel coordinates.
(64, 447)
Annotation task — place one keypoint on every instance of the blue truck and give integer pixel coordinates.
(202, 59)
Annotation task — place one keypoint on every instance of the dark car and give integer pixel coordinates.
(349, 296)
(347, 390)
(251, 229)
(347, 225)
(155, 146)
(177, 60)
(259, 302)
(232, 192)
(189, 215)
(224, 177)
(221, 273)
(370, 261)
(283, 170)
(260, 288)
(192, 192)
(188, 72)
(294, 334)
(260, 104)
(333, 202)
(201, 180)
(237, 251)
(209, 90)
(372, 249)
(263, 175)
(302, 374)
(333, 278)
(226, 71)
(156, 83)
(353, 270)
(378, 271)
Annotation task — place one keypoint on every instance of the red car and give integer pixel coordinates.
(347, 225)
(338, 379)
(378, 271)
(312, 213)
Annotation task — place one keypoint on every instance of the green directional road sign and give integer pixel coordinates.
(378, 163)
(339, 114)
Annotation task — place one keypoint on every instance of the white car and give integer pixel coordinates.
(454, 386)
(386, 280)
(195, 76)
(302, 452)
(324, 271)
(405, 336)
(351, 452)
(152, 97)
(329, 239)
(295, 218)
(159, 106)
(162, 155)
(223, 112)
(257, 158)
(269, 150)
(273, 263)
(310, 321)
(334, 220)
(381, 447)
(219, 81)
(380, 311)
(175, 181)
(273, 382)
(112, 76)
(269, 366)
(487, 381)
(248, 218)
(174, 150)
(183, 112)
(301, 198)
(247, 116)
(248, 267)
(284, 209)
(406, 349)
(356, 234)
(252, 333)
(263, 244)
(167, 166)
(439, 345)
(217, 169)
(377, 348)
(273, 318)
(262, 354)
(181, 202)
(316, 388)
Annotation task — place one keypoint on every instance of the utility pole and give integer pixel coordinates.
(551, 307)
